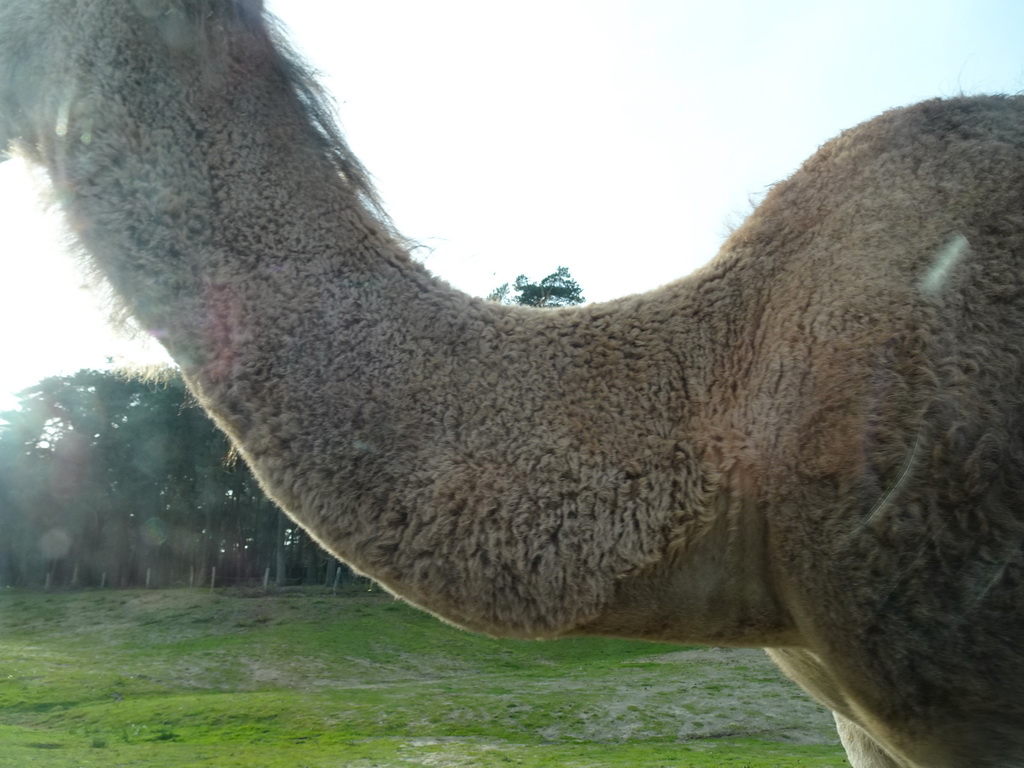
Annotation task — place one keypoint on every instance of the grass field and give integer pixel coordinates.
(180, 678)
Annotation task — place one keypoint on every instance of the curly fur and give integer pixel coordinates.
(814, 444)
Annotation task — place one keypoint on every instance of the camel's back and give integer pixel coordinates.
(876, 205)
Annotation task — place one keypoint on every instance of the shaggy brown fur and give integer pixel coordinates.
(814, 444)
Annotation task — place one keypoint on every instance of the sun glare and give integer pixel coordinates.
(52, 324)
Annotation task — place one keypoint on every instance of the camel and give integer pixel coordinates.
(813, 445)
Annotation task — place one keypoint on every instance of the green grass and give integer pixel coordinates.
(188, 678)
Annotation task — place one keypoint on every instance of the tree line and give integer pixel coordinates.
(106, 480)
(112, 481)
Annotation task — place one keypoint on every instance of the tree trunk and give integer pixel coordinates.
(282, 563)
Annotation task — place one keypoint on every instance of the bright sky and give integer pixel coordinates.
(619, 139)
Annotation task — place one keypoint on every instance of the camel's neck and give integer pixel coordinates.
(504, 468)
(205, 191)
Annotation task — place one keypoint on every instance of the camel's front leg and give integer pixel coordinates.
(862, 750)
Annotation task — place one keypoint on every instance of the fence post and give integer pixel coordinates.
(213, 577)
(149, 573)
(266, 579)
